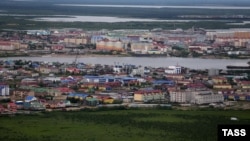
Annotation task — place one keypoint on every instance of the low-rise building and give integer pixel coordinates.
(219, 80)
(76, 40)
(141, 48)
(179, 96)
(173, 70)
(222, 86)
(175, 76)
(20, 94)
(244, 84)
(148, 95)
(9, 46)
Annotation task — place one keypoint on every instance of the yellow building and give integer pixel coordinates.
(242, 97)
(12, 45)
(108, 100)
(242, 35)
(148, 95)
(219, 80)
(222, 86)
(76, 40)
(110, 45)
(244, 84)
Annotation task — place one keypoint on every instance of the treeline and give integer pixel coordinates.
(19, 24)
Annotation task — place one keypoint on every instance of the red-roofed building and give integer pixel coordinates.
(73, 70)
(11, 45)
(6, 45)
(244, 84)
(63, 91)
(57, 47)
(196, 86)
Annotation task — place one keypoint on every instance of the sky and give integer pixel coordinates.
(154, 2)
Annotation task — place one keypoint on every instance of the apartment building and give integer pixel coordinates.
(195, 96)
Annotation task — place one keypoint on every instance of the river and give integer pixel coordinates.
(192, 63)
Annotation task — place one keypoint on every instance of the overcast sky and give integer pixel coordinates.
(145, 2)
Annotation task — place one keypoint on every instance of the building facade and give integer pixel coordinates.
(173, 70)
(195, 96)
(148, 95)
(110, 45)
(4, 90)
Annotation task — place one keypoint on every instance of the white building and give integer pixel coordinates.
(138, 71)
(180, 96)
(195, 96)
(206, 99)
(4, 90)
(53, 79)
(117, 68)
(38, 32)
(141, 47)
(173, 70)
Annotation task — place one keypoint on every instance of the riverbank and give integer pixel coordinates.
(99, 54)
(129, 55)
(192, 63)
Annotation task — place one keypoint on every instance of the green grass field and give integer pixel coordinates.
(122, 125)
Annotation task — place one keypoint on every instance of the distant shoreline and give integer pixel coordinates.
(139, 55)
(120, 55)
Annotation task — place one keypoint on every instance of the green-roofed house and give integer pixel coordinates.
(90, 101)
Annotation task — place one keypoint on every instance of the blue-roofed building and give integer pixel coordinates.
(91, 78)
(163, 82)
(67, 80)
(80, 65)
(71, 95)
(35, 65)
(38, 32)
(96, 38)
(98, 79)
(125, 80)
(79, 96)
(30, 98)
(106, 79)
(9, 63)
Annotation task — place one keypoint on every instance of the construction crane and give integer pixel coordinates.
(75, 60)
